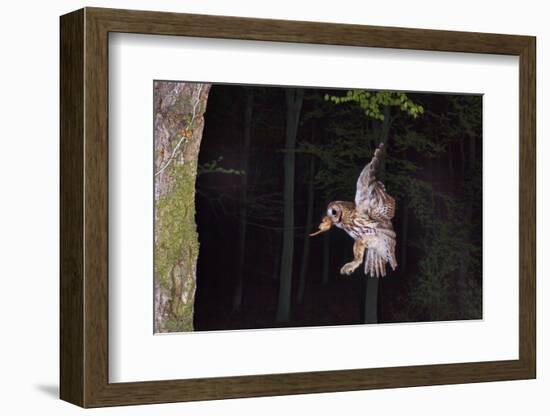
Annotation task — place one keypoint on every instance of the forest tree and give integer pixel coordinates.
(178, 126)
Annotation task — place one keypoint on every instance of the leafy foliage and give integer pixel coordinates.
(214, 166)
(372, 102)
(449, 266)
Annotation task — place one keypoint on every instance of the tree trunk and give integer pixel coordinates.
(326, 258)
(294, 98)
(238, 295)
(404, 238)
(370, 315)
(276, 272)
(309, 222)
(178, 126)
(370, 310)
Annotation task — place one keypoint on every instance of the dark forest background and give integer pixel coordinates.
(271, 159)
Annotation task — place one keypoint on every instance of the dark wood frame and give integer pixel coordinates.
(84, 208)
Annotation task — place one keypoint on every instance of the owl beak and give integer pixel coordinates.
(325, 225)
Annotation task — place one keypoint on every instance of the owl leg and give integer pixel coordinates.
(358, 253)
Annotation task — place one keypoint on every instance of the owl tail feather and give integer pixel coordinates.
(375, 264)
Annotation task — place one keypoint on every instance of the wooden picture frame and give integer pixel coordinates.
(84, 207)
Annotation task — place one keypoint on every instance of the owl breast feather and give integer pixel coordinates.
(359, 229)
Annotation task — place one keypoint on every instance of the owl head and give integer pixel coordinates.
(336, 211)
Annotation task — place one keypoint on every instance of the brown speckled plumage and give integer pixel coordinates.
(367, 221)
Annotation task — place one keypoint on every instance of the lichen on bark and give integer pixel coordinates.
(179, 122)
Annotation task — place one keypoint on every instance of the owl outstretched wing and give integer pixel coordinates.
(372, 200)
(371, 197)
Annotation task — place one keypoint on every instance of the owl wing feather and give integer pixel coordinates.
(371, 197)
(372, 200)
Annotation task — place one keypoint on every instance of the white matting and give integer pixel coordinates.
(135, 354)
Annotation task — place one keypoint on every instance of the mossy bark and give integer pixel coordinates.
(178, 126)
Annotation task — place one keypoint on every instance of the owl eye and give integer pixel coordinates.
(332, 212)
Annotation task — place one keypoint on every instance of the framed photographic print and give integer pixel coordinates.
(256, 207)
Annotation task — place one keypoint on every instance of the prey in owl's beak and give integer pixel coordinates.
(325, 225)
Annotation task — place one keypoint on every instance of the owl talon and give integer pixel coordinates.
(348, 268)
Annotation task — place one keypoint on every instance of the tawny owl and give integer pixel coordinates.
(367, 221)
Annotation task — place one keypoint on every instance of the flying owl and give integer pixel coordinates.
(368, 221)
